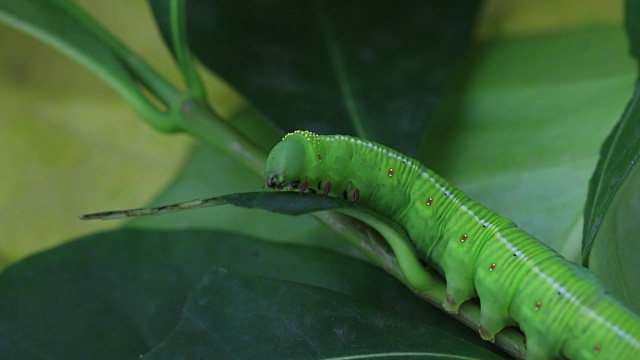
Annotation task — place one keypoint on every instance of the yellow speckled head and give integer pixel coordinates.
(287, 161)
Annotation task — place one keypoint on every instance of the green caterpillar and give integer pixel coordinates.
(561, 307)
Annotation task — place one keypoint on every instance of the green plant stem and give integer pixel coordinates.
(182, 51)
(139, 71)
(202, 122)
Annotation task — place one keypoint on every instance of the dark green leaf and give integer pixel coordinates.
(202, 177)
(243, 317)
(632, 22)
(119, 294)
(290, 203)
(376, 70)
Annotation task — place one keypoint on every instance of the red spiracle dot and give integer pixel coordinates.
(429, 201)
(492, 267)
(464, 238)
(356, 196)
(390, 172)
(538, 306)
(597, 349)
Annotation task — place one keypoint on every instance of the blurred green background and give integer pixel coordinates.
(71, 145)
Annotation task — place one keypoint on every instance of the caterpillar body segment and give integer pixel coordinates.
(563, 310)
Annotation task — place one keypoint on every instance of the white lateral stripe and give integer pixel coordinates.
(513, 248)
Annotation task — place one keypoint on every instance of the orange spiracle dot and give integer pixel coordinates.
(596, 349)
(390, 172)
(538, 306)
(464, 238)
(429, 201)
(492, 267)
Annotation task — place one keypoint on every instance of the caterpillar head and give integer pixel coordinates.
(289, 159)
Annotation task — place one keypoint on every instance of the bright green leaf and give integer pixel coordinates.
(523, 134)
